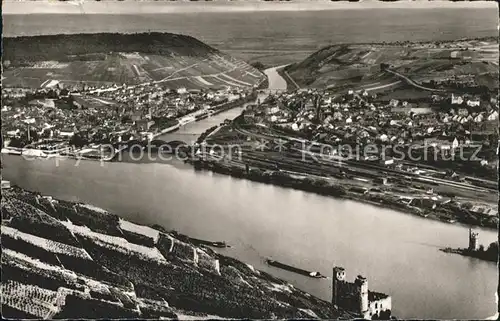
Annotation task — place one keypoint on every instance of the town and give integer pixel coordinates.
(53, 121)
(294, 153)
(353, 145)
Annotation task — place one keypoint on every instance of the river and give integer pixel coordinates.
(191, 131)
(398, 253)
(276, 82)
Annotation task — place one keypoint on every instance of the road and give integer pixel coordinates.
(411, 82)
(382, 86)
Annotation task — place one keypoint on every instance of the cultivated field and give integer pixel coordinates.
(176, 60)
(359, 65)
(119, 68)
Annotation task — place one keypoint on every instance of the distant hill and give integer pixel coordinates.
(359, 65)
(107, 58)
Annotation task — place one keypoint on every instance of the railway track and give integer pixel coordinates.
(375, 167)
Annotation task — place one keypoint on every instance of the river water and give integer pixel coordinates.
(398, 253)
(276, 82)
(191, 131)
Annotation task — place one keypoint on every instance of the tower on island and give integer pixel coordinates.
(473, 241)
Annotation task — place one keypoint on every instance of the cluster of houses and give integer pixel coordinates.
(357, 118)
(340, 117)
(167, 102)
(122, 113)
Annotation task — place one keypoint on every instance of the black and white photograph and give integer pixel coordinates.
(250, 159)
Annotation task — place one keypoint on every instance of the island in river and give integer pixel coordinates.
(475, 250)
(491, 254)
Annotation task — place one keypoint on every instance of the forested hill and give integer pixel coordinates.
(19, 50)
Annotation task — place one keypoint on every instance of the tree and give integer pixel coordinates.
(320, 183)
(45, 133)
(493, 249)
(78, 140)
(17, 142)
(308, 181)
(258, 65)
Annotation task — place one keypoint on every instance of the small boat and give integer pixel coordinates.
(313, 274)
(219, 244)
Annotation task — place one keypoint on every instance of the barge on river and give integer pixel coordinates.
(290, 268)
(186, 238)
(209, 243)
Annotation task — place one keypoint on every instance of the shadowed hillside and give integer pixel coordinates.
(67, 260)
(27, 50)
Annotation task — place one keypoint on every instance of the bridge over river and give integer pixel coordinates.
(276, 82)
(191, 131)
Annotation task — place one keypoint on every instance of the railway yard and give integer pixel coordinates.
(256, 149)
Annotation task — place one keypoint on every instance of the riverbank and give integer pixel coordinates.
(488, 255)
(322, 186)
(126, 270)
(262, 221)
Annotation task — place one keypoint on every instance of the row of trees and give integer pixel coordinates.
(490, 254)
(276, 177)
(24, 139)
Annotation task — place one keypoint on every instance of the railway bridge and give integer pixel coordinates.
(271, 91)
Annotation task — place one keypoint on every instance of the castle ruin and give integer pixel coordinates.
(355, 297)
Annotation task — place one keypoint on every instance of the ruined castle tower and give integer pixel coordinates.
(362, 287)
(338, 280)
(473, 241)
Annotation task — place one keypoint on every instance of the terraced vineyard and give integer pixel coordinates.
(175, 60)
(67, 270)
